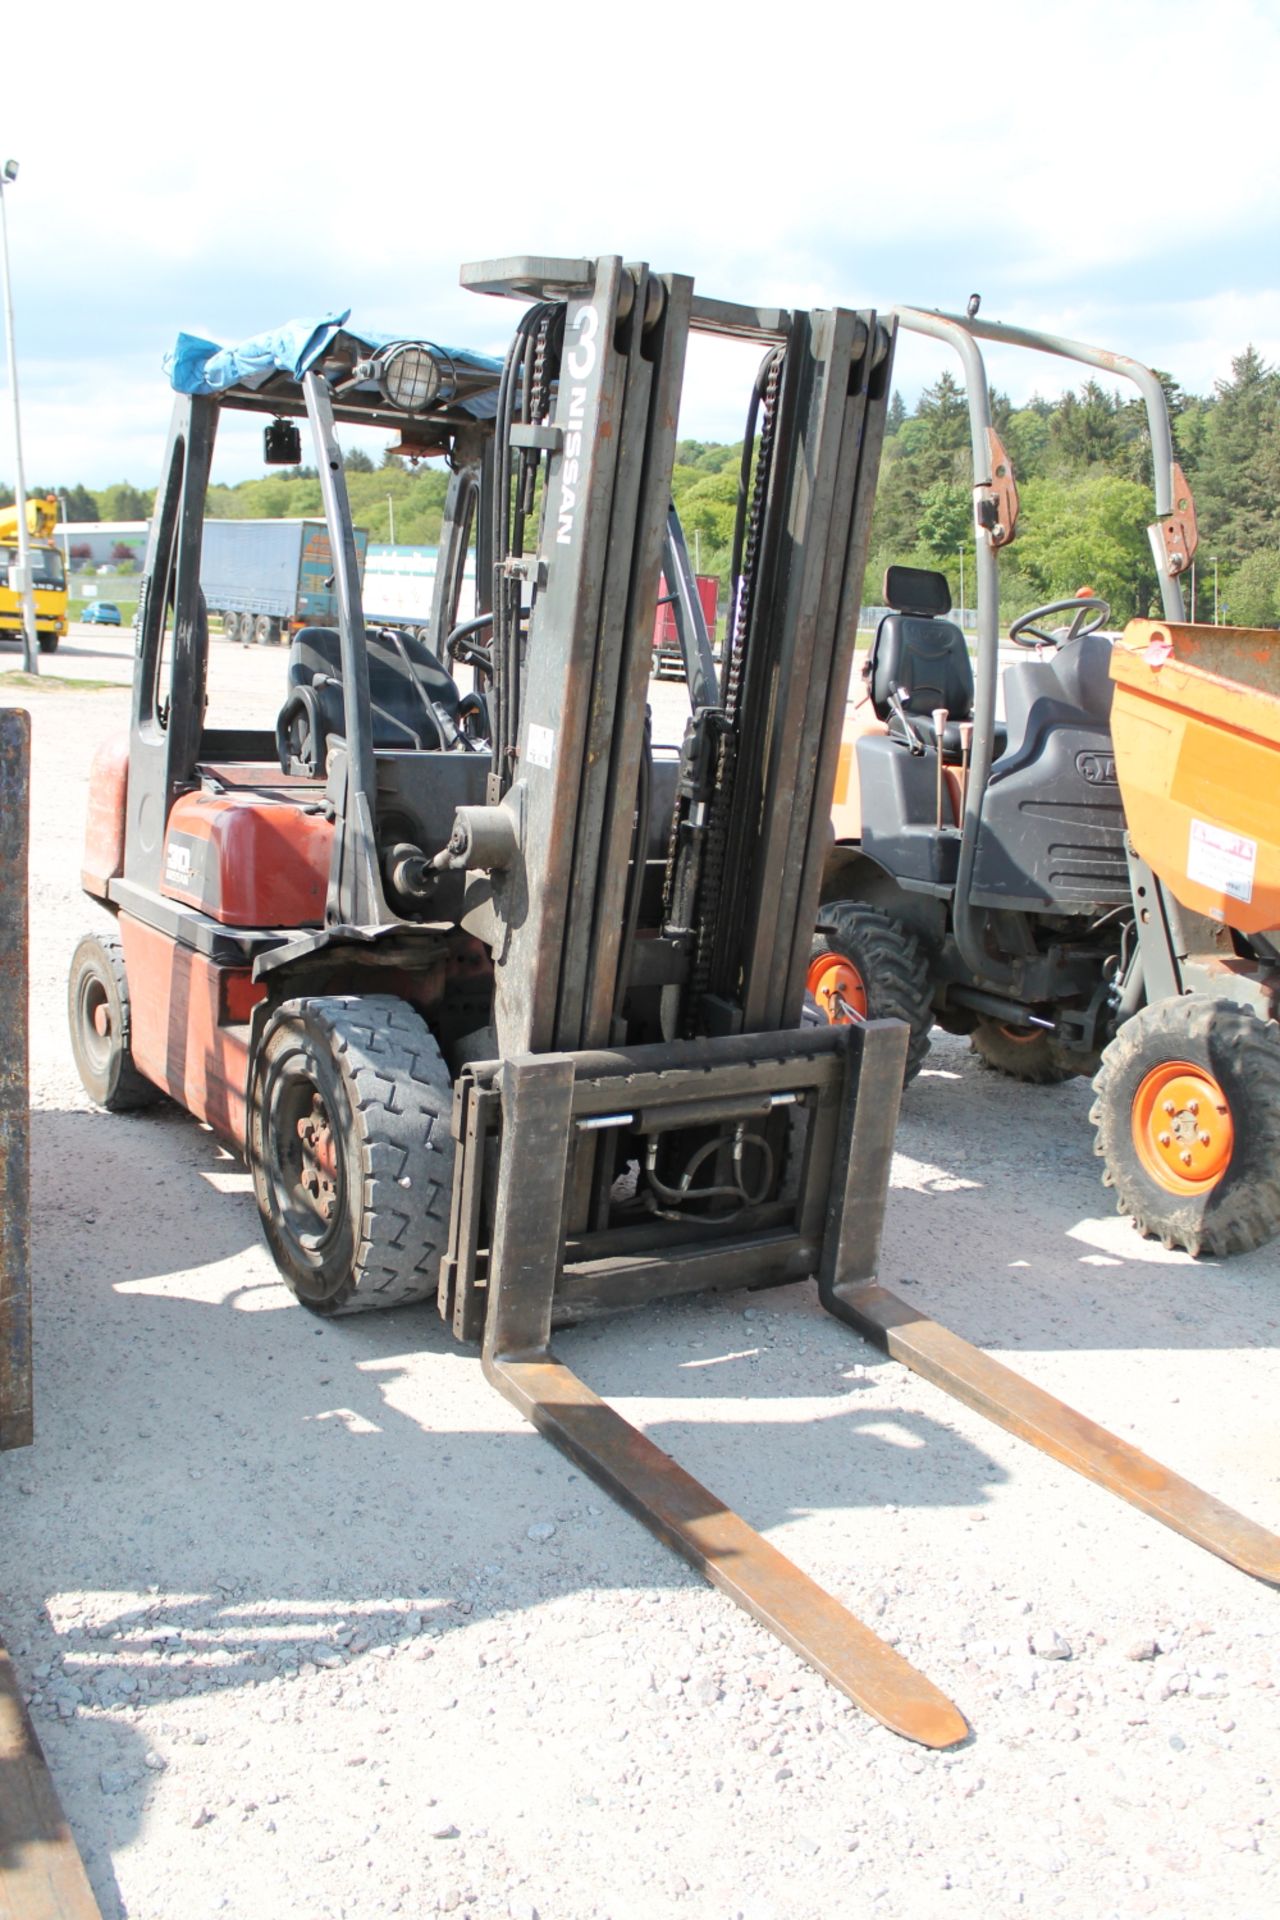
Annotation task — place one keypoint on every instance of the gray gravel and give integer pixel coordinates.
(313, 1624)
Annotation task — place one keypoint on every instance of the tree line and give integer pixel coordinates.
(1083, 464)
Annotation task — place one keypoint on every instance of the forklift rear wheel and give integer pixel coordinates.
(1024, 1053)
(864, 966)
(1187, 1121)
(350, 1150)
(98, 1012)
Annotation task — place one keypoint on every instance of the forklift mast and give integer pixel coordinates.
(569, 750)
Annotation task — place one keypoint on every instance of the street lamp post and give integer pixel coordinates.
(30, 645)
(1214, 558)
(391, 516)
(962, 586)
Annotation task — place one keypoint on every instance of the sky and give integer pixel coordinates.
(1106, 169)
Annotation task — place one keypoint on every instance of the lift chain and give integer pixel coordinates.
(711, 887)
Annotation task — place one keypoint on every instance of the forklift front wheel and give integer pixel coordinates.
(865, 966)
(1187, 1121)
(98, 1014)
(350, 1151)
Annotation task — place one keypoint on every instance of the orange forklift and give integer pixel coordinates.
(501, 1004)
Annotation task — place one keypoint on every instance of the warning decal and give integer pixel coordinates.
(1221, 860)
(541, 748)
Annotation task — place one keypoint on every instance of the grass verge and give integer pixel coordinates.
(21, 682)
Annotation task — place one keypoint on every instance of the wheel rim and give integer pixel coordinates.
(94, 1017)
(1022, 1036)
(306, 1172)
(1182, 1130)
(838, 989)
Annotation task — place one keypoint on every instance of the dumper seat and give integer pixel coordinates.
(920, 662)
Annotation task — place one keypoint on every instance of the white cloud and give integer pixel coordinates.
(838, 155)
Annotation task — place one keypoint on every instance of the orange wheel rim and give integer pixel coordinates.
(838, 988)
(1182, 1129)
(1022, 1036)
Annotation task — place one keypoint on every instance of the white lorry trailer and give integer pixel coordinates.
(267, 578)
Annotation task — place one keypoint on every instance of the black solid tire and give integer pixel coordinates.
(1242, 1053)
(97, 982)
(48, 642)
(387, 1097)
(895, 973)
(1034, 1059)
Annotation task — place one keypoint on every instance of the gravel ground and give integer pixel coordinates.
(313, 1625)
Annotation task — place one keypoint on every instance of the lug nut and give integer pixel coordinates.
(1169, 1108)
(1186, 1156)
(1204, 1139)
(1166, 1139)
(1193, 1107)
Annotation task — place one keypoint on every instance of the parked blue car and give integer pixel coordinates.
(101, 613)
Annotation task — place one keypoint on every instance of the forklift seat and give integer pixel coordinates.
(920, 662)
(414, 700)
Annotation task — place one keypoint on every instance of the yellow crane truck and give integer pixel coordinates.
(48, 574)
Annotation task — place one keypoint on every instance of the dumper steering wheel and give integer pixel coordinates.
(1089, 615)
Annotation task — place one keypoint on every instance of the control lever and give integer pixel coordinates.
(966, 744)
(939, 722)
(899, 712)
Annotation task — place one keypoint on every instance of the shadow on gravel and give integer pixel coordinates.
(225, 1491)
(156, 1182)
(999, 1225)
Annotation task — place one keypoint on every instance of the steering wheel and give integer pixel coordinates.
(1090, 614)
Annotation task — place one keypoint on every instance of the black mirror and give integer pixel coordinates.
(282, 444)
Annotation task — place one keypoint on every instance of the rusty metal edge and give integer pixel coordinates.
(1021, 1408)
(16, 1417)
(684, 1515)
(42, 1876)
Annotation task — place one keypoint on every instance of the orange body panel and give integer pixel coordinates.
(846, 802)
(248, 859)
(179, 1004)
(104, 826)
(1196, 730)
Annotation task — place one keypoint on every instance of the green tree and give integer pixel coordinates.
(1083, 431)
(1252, 592)
(1026, 436)
(123, 502)
(79, 503)
(706, 456)
(1087, 531)
(946, 519)
(708, 505)
(1238, 475)
(944, 415)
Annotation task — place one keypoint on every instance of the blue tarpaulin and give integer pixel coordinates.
(199, 366)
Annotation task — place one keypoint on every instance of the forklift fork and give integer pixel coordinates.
(537, 1096)
(1021, 1408)
(526, 1283)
